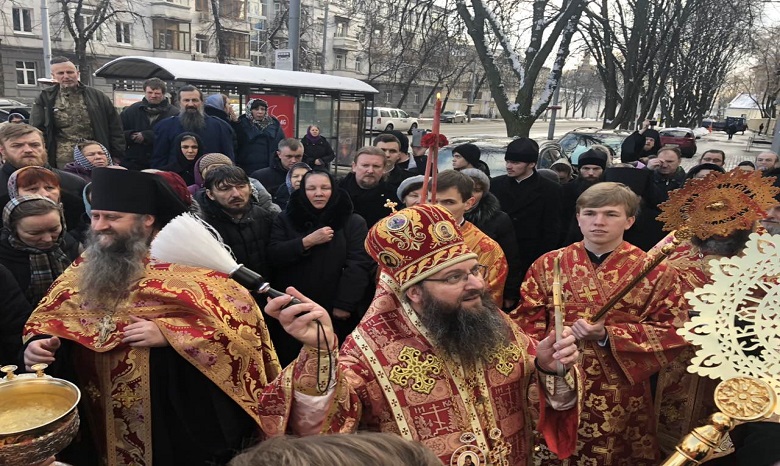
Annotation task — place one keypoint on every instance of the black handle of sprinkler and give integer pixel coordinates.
(253, 281)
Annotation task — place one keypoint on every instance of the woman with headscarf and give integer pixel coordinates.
(86, 156)
(291, 184)
(317, 246)
(317, 152)
(259, 135)
(34, 245)
(190, 150)
(40, 181)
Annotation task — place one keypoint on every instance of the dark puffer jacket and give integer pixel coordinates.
(256, 147)
(488, 217)
(247, 237)
(337, 274)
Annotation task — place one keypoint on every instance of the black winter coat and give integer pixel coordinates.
(271, 177)
(488, 217)
(337, 274)
(106, 124)
(135, 119)
(369, 203)
(18, 262)
(319, 150)
(256, 148)
(534, 205)
(14, 311)
(248, 237)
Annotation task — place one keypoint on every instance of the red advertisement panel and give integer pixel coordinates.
(282, 107)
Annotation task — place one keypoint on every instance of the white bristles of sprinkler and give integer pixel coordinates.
(187, 240)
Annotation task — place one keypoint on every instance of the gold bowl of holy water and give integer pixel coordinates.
(38, 416)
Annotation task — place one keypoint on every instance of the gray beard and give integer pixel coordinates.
(192, 122)
(470, 334)
(108, 272)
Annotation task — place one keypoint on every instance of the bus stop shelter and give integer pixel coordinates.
(298, 99)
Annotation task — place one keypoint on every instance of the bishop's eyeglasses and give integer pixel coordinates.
(478, 270)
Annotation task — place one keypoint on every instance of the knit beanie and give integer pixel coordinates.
(214, 158)
(522, 150)
(470, 152)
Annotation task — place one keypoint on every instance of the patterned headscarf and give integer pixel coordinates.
(253, 104)
(45, 265)
(13, 180)
(288, 180)
(80, 159)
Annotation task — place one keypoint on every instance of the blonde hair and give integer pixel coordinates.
(609, 193)
(11, 131)
(374, 448)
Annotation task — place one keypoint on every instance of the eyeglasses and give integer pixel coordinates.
(478, 270)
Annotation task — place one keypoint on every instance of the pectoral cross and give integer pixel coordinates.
(418, 370)
(391, 205)
(107, 326)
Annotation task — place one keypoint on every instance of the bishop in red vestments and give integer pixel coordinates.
(433, 360)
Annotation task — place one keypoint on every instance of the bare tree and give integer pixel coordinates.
(551, 25)
(761, 80)
(711, 43)
(83, 19)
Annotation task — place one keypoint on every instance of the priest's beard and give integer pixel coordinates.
(469, 333)
(192, 119)
(111, 269)
(723, 246)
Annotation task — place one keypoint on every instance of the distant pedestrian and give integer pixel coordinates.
(760, 129)
(731, 130)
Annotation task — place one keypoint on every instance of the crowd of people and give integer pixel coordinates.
(425, 310)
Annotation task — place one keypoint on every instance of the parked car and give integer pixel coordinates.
(388, 119)
(579, 140)
(453, 117)
(679, 137)
(492, 151)
(9, 106)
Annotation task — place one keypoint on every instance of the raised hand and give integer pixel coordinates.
(299, 319)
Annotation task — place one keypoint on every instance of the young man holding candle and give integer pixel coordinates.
(634, 340)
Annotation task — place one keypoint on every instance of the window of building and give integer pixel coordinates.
(358, 63)
(123, 33)
(376, 37)
(341, 60)
(233, 9)
(202, 44)
(342, 27)
(22, 18)
(237, 45)
(85, 20)
(416, 97)
(202, 5)
(259, 60)
(388, 96)
(277, 8)
(25, 73)
(171, 35)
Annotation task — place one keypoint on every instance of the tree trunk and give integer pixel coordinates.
(82, 60)
(219, 34)
(2, 70)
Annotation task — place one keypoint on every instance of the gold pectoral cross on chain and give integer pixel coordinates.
(107, 326)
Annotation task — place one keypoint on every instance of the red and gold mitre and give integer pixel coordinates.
(719, 203)
(417, 242)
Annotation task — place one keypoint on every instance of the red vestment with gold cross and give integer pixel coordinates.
(208, 319)
(617, 425)
(489, 254)
(391, 379)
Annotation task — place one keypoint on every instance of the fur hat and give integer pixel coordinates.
(522, 150)
(417, 242)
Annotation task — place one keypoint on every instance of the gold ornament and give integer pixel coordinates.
(719, 203)
(736, 326)
(419, 370)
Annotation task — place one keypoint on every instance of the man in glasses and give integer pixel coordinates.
(433, 360)
(621, 350)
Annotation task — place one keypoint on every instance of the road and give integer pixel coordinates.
(735, 149)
